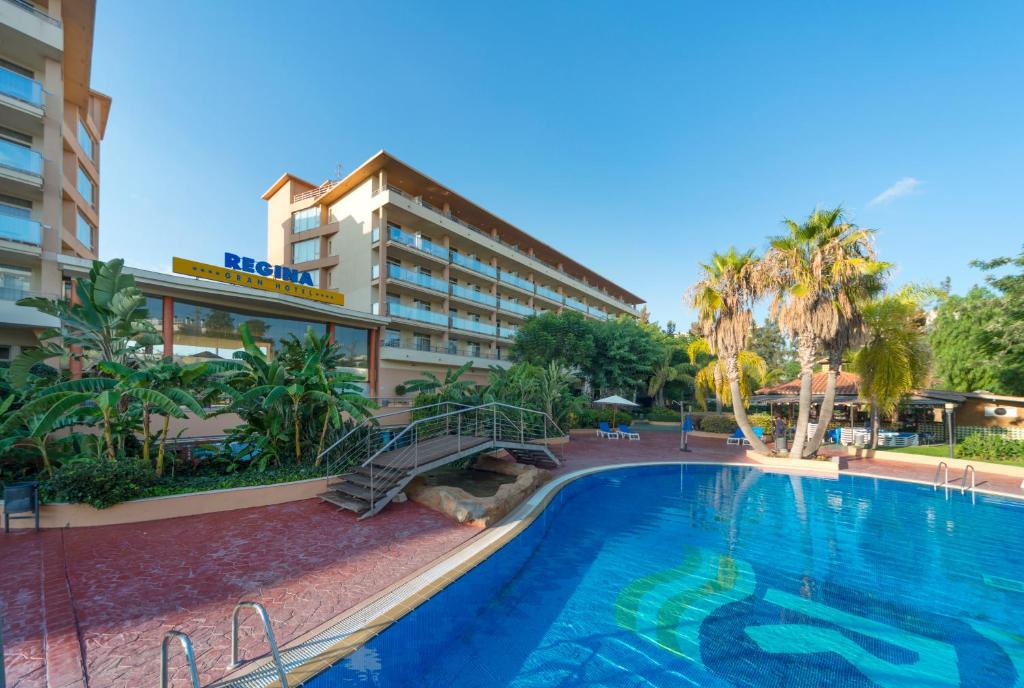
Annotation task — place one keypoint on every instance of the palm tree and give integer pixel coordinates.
(712, 377)
(820, 272)
(665, 371)
(894, 359)
(723, 297)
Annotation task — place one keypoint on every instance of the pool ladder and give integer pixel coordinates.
(186, 645)
(943, 467)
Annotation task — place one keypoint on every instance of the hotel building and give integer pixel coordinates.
(51, 125)
(455, 280)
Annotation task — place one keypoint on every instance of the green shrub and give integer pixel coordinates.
(166, 485)
(725, 424)
(991, 448)
(98, 482)
(590, 417)
(660, 413)
(762, 420)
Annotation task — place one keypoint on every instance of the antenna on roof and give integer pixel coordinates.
(337, 170)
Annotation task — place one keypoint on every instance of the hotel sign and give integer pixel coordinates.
(246, 272)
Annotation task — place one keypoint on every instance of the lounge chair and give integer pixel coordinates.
(736, 438)
(757, 431)
(627, 432)
(603, 430)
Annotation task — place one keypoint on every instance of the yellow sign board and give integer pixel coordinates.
(216, 273)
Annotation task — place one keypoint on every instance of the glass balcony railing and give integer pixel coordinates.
(515, 280)
(474, 295)
(578, 305)
(20, 158)
(21, 87)
(22, 229)
(398, 310)
(597, 313)
(426, 281)
(39, 14)
(417, 242)
(474, 265)
(549, 294)
(507, 332)
(513, 307)
(473, 326)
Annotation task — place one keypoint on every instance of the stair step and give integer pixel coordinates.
(353, 490)
(345, 501)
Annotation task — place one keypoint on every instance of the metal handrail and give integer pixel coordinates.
(374, 421)
(186, 645)
(262, 611)
(963, 481)
(945, 481)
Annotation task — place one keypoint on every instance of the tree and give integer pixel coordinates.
(723, 297)
(894, 359)
(109, 322)
(979, 338)
(965, 355)
(768, 342)
(820, 272)
(713, 378)
(430, 389)
(566, 339)
(667, 369)
(625, 353)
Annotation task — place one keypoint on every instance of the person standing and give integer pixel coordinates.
(780, 434)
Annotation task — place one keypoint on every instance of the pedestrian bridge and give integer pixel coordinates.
(372, 463)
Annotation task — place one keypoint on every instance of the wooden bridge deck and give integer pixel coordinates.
(429, 451)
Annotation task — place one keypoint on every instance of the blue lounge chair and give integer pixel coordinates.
(736, 437)
(604, 430)
(625, 431)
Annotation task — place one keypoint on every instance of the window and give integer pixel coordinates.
(5, 353)
(474, 348)
(421, 341)
(307, 250)
(15, 282)
(393, 300)
(84, 231)
(422, 305)
(85, 139)
(423, 271)
(392, 338)
(15, 137)
(15, 207)
(86, 186)
(315, 276)
(305, 219)
(204, 332)
(453, 346)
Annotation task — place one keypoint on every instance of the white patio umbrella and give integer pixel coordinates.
(615, 401)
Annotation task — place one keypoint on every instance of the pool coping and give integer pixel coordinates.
(316, 650)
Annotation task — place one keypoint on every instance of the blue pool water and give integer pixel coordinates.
(726, 576)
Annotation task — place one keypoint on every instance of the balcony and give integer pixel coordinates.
(597, 313)
(474, 265)
(513, 307)
(20, 159)
(410, 277)
(507, 332)
(417, 242)
(549, 294)
(474, 295)
(14, 85)
(577, 305)
(450, 349)
(515, 281)
(20, 229)
(523, 255)
(398, 310)
(473, 326)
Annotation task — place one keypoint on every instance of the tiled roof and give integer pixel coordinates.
(847, 384)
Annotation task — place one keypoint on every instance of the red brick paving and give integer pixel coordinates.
(110, 593)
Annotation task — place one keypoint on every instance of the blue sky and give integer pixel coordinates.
(635, 137)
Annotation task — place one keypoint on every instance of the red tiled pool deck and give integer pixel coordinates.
(87, 608)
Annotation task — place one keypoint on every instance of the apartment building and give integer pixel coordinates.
(51, 125)
(455, 280)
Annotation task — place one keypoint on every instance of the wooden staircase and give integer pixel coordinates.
(366, 487)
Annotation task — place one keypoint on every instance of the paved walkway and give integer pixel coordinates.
(95, 602)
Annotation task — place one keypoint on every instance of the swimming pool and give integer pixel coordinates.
(701, 575)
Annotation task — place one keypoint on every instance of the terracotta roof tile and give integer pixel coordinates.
(847, 384)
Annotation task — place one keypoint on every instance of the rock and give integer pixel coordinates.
(399, 498)
(481, 511)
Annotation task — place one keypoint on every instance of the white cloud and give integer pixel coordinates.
(903, 187)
